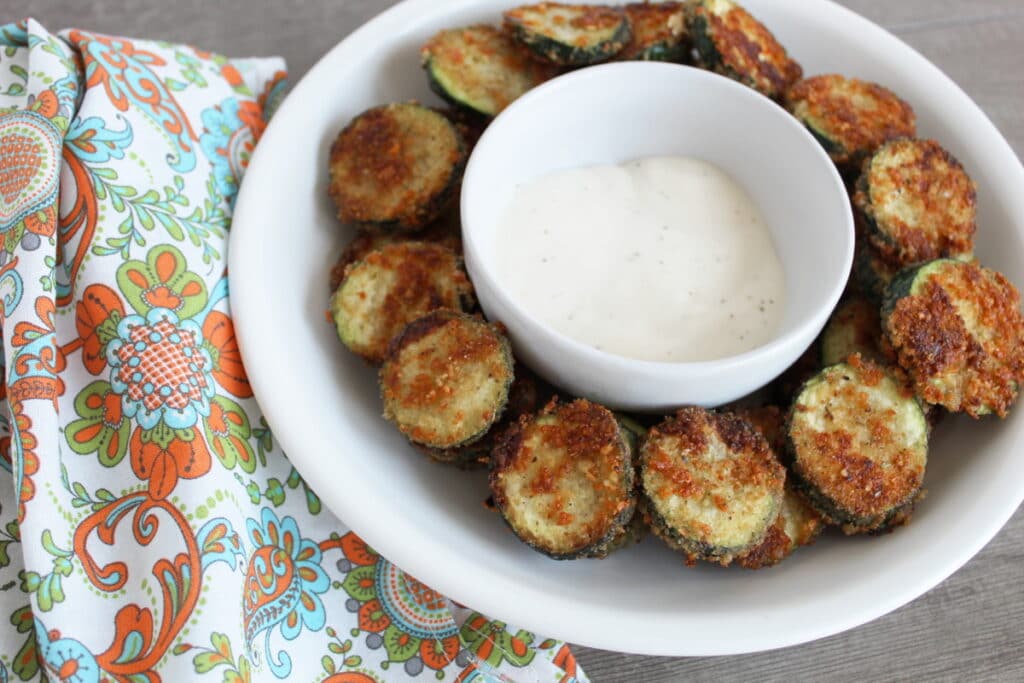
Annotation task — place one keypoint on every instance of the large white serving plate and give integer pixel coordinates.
(323, 404)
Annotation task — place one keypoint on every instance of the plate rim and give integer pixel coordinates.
(403, 543)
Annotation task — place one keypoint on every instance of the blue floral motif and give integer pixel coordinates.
(161, 370)
(284, 582)
(65, 659)
(92, 141)
(224, 143)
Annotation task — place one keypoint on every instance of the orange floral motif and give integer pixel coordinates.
(26, 462)
(78, 224)
(119, 166)
(47, 104)
(99, 304)
(229, 372)
(42, 222)
(163, 464)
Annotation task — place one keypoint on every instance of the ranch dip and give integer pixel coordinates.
(661, 259)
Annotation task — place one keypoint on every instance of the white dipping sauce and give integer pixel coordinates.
(662, 259)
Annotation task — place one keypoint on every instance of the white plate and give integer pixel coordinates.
(322, 402)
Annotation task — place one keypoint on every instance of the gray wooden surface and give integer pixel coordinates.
(970, 628)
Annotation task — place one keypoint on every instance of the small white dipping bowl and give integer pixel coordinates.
(614, 113)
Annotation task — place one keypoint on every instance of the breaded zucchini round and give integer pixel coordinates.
(446, 231)
(395, 167)
(522, 400)
(659, 32)
(871, 273)
(446, 379)
(769, 421)
(564, 481)
(470, 124)
(710, 485)
(481, 68)
(851, 118)
(570, 35)
(632, 533)
(854, 327)
(858, 444)
(392, 286)
(733, 43)
(918, 203)
(957, 330)
(361, 245)
(797, 525)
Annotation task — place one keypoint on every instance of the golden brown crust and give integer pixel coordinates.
(854, 327)
(523, 398)
(857, 450)
(770, 422)
(563, 473)
(569, 35)
(919, 201)
(653, 23)
(871, 273)
(481, 54)
(712, 483)
(775, 547)
(960, 336)
(746, 49)
(446, 231)
(853, 117)
(469, 124)
(584, 17)
(361, 245)
(395, 166)
(393, 285)
(797, 523)
(433, 371)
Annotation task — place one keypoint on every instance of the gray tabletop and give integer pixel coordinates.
(967, 629)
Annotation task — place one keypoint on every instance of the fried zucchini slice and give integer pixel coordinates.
(570, 35)
(853, 328)
(522, 400)
(470, 124)
(730, 41)
(858, 443)
(361, 245)
(446, 231)
(957, 330)
(871, 273)
(563, 480)
(632, 533)
(796, 525)
(769, 421)
(480, 68)
(392, 286)
(446, 379)
(395, 167)
(710, 485)
(659, 32)
(851, 118)
(917, 202)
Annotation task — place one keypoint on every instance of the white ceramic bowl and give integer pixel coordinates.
(324, 408)
(618, 112)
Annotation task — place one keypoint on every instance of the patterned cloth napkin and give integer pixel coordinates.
(154, 529)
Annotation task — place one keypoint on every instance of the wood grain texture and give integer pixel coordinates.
(967, 629)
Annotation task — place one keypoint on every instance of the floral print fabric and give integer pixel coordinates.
(151, 529)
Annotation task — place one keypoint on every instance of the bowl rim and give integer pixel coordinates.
(766, 107)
